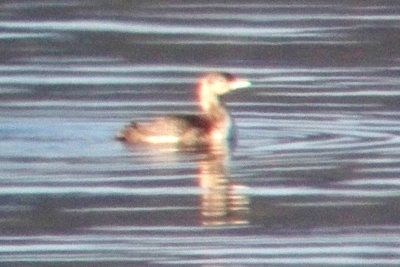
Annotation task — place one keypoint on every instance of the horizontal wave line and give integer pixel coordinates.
(157, 28)
(338, 94)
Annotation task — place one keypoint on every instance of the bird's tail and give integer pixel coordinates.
(121, 135)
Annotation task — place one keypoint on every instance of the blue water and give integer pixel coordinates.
(313, 180)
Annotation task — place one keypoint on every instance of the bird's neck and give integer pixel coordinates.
(209, 101)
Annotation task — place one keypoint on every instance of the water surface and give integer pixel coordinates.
(313, 180)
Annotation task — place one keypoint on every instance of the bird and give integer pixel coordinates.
(213, 125)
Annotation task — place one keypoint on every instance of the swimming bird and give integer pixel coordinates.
(212, 126)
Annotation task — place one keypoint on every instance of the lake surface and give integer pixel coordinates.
(313, 181)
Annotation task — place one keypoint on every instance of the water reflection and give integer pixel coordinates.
(223, 201)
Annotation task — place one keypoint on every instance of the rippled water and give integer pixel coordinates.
(313, 181)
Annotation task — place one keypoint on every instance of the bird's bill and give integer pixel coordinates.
(239, 83)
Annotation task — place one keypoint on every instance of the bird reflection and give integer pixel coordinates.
(223, 202)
